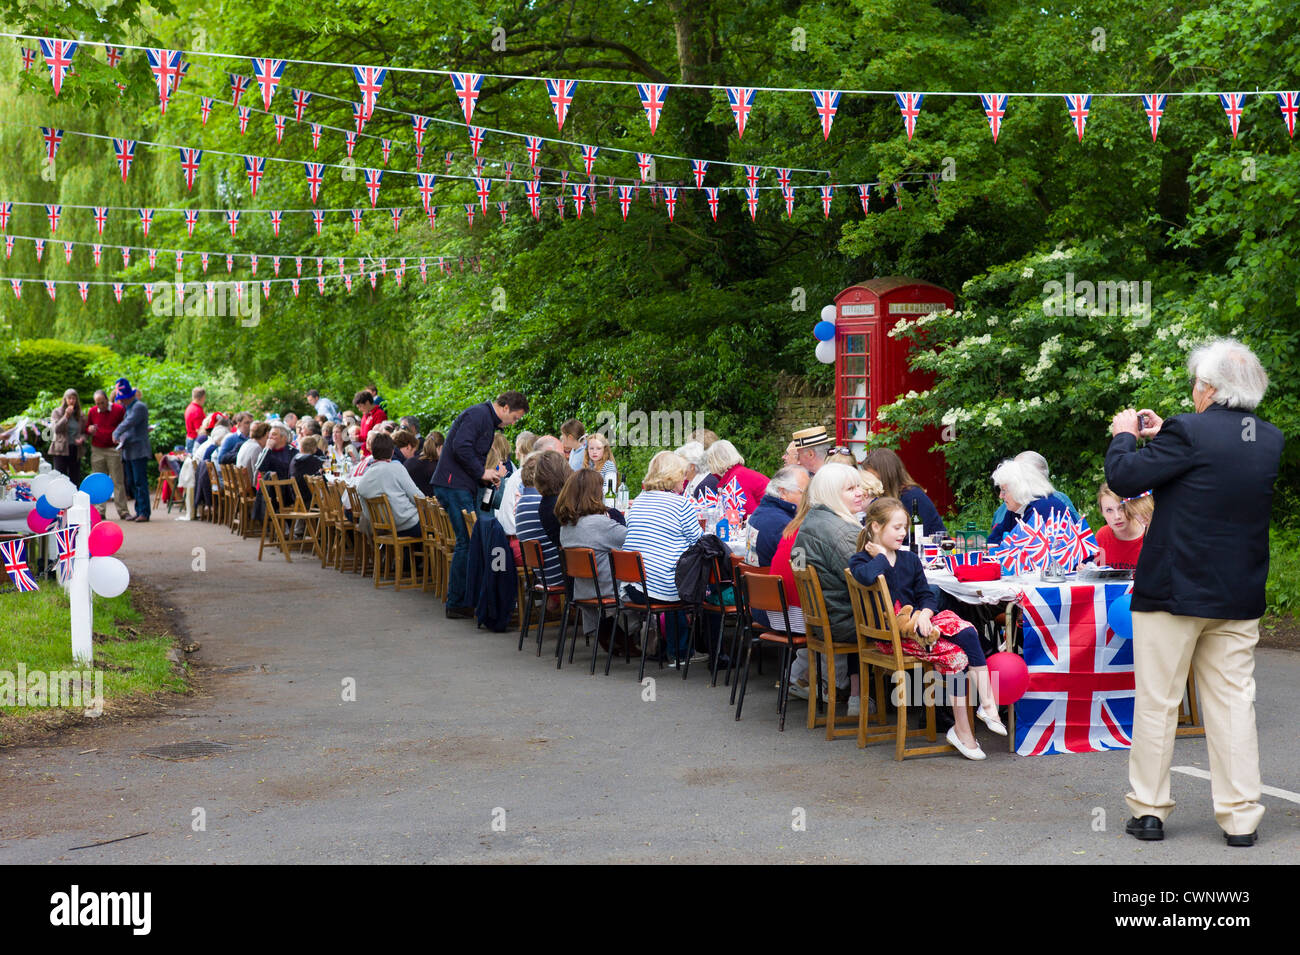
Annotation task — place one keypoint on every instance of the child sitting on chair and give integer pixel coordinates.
(943, 639)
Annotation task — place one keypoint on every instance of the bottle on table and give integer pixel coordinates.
(621, 497)
(918, 531)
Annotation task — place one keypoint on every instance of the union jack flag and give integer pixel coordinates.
(448, 158)
(1154, 106)
(279, 127)
(1289, 104)
(113, 54)
(711, 196)
(751, 200)
(483, 189)
(17, 286)
(788, 195)
(469, 212)
(232, 220)
(350, 140)
(146, 220)
(84, 289)
(752, 174)
(707, 500)
(534, 146)
(49, 287)
(373, 178)
(424, 271)
(560, 93)
(300, 100)
(534, 195)
(266, 289)
(7, 209)
(29, 58)
(478, 167)
(358, 117)
(67, 252)
(268, 73)
(1073, 541)
(909, 104)
(153, 258)
(969, 559)
(315, 136)
(426, 181)
(559, 207)
(827, 104)
(53, 212)
(124, 151)
(1079, 105)
(475, 139)
(58, 57)
(995, 108)
(385, 149)
(742, 101)
(238, 84)
(14, 555)
(275, 264)
(624, 200)
(230, 262)
(254, 168)
(699, 167)
(190, 159)
(396, 215)
(148, 292)
(315, 176)
(510, 169)
(191, 218)
(589, 156)
(1081, 689)
(117, 292)
(53, 139)
(1037, 541)
(166, 67)
(96, 250)
(40, 248)
(652, 96)
(101, 217)
(644, 161)
(469, 86)
(205, 109)
(670, 200)
(419, 157)
(356, 221)
(370, 80)
(828, 193)
(579, 198)
(180, 261)
(732, 495)
(244, 113)
(783, 177)
(420, 124)
(252, 264)
(293, 284)
(203, 260)
(320, 284)
(1233, 105)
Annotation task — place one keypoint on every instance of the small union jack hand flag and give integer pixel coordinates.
(742, 102)
(254, 168)
(370, 80)
(268, 73)
(1079, 105)
(561, 96)
(14, 555)
(58, 57)
(300, 100)
(827, 104)
(652, 101)
(468, 87)
(1233, 105)
(909, 104)
(995, 108)
(1154, 106)
(1289, 103)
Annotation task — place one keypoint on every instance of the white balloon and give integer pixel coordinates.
(108, 576)
(40, 483)
(59, 492)
(826, 352)
(828, 314)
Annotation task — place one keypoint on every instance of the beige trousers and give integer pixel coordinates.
(1222, 655)
(109, 461)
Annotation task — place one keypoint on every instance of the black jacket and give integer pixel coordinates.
(694, 565)
(1206, 551)
(464, 453)
(490, 574)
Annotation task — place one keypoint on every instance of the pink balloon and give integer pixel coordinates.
(95, 517)
(38, 524)
(105, 539)
(1010, 677)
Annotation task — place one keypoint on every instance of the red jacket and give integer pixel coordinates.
(193, 419)
(751, 482)
(368, 422)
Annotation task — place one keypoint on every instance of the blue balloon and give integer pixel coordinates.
(824, 331)
(28, 449)
(46, 509)
(99, 486)
(1120, 616)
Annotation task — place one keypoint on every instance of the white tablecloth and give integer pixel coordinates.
(1000, 591)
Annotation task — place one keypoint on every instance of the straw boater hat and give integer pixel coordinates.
(810, 437)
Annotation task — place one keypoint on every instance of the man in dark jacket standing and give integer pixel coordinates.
(132, 437)
(1198, 592)
(462, 471)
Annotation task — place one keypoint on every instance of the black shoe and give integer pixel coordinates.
(1146, 828)
(1244, 842)
(459, 613)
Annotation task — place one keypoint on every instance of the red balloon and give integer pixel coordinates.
(95, 517)
(1010, 677)
(38, 524)
(105, 539)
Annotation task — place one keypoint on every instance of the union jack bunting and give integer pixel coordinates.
(252, 264)
(652, 101)
(1233, 105)
(475, 139)
(244, 113)
(294, 284)
(191, 218)
(275, 264)
(29, 59)
(146, 220)
(358, 117)
(148, 292)
(373, 178)
(670, 200)
(788, 195)
(254, 168)
(117, 292)
(315, 136)
(478, 167)
(58, 57)
(385, 148)
(124, 152)
(534, 195)
(624, 200)
(1154, 106)
(232, 220)
(370, 80)
(203, 261)
(1289, 104)
(448, 158)
(909, 104)
(644, 162)
(579, 198)
(995, 108)
(190, 159)
(419, 156)
(180, 261)
(266, 289)
(589, 156)
(230, 263)
(279, 127)
(7, 209)
(1079, 105)
(300, 100)
(238, 85)
(14, 555)
(828, 193)
(559, 207)
(166, 67)
(356, 221)
(101, 217)
(699, 167)
(320, 284)
(1081, 686)
(396, 215)
(424, 271)
(83, 288)
(53, 139)
(49, 287)
(742, 102)
(469, 213)
(827, 104)
(560, 93)
(315, 176)
(153, 258)
(426, 181)
(468, 86)
(52, 213)
(752, 174)
(67, 252)
(534, 146)
(17, 286)
(268, 73)
(205, 109)
(783, 177)
(711, 196)
(113, 54)
(751, 200)
(40, 248)
(483, 189)
(432, 213)
(96, 250)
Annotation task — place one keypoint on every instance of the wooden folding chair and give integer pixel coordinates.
(447, 540)
(245, 502)
(391, 548)
(213, 512)
(766, 592)
(470, 518)
(432, 542)
(279, 498)
(873, 617)
(580, 564)
(628, 567)
(817, 629)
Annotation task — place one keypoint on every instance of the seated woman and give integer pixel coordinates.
(1126, 525)
(421, 466)
(1059, 497)
(535, 515)
(725, 461)
(1025, 491)
(827, 534)
(897, 483)
(697, 472)
(491, 498)
(947, 641)
(585, 522)
(661, 524)
(306, 462)
(598, 457)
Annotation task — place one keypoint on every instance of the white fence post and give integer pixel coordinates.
(79, 581)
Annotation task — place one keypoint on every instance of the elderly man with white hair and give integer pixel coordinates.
(1198, 591)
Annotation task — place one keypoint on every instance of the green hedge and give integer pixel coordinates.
(39, 365)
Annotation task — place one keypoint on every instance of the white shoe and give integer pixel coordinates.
(798, 689)
(962, 748)
(855, 706)
(993, 722)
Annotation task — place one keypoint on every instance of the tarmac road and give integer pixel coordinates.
(458, 748)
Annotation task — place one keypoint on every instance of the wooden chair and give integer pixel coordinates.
(166, 478)
(310, 524)
(470, 518)
(447, 539)
(347, 531)
(627, 567)
(245, 502)
(817, 628)
(213, 512)
(580, 564)
(539, 594)
(325, 525)
(873, 616)
(391, 548)
(279, 498)
(431, 538)
(766, 592)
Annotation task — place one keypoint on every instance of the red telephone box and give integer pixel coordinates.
(871, 370)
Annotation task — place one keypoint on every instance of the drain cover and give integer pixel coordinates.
(192, 749)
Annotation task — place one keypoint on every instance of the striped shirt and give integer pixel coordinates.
(661, 525)
(529, 526)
